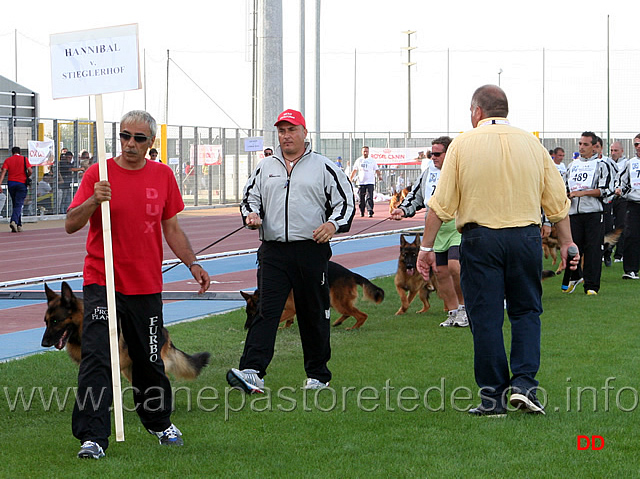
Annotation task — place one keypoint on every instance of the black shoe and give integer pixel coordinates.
(371, 215)
(482, 411)
(361, 215)
(528, 404)
(607, 260)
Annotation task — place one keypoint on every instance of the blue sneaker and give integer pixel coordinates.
(90, 450)
(171, 436)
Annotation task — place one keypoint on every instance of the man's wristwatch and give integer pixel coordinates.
(195, 263)
(425, 249)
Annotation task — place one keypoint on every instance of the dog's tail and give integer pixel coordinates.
(182, 365)
(613, 237)
(371, 291)
(547, 273)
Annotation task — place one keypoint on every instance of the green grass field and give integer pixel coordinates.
(375, 421)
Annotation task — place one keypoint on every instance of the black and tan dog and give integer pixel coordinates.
(343, 284)
(63, 321)
(409, 282)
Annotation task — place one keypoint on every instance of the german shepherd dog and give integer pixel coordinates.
(409, 282)
(343, 285)
(397, 199)
(63, 321)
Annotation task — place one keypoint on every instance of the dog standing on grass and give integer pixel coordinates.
(343, 284)
(409, 283)
(63, 321)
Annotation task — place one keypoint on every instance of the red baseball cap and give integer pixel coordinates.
(291, 116)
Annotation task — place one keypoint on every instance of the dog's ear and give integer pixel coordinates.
(51, 294)
(403, 241)
(416, 241)
(247, 297)
(68, 298)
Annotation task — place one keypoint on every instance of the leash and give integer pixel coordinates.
(207, 247)
(340, 240)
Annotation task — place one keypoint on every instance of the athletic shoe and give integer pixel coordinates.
(631, 275)
(246, 380)
(481, 411)
(13, 226)
(461, 319)
(451, 319)
(591, 292)
(312, 383)
(528, 404)
(19, 229)
(618, 260)
(607, 261)
(371, 215)
(573, 285)
(564, 288)
(90, 450)
(171, 436)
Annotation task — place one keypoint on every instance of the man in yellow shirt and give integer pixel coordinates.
(493, 183)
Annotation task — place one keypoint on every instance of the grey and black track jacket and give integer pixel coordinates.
(292, 206)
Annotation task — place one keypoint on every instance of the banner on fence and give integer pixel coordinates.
(398, 156)
(41, 152)
(207, 155)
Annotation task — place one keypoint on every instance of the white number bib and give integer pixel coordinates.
(582, 174)
(634, 173)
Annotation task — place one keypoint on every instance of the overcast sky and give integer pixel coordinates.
(208, 41)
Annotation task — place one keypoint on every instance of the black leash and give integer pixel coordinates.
(340, 240)
(207, 247)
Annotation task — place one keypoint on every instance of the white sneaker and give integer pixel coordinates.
(312, 383)
(246, 380)
(573, 285)
(451, 319)
(461, 321)
(171, 436)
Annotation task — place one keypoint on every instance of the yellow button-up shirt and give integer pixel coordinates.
(498, 176)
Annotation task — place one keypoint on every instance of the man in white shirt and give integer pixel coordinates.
(366, 168)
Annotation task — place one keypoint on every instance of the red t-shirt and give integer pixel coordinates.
(15, 165)
(140, 200)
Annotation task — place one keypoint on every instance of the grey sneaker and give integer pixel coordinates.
(246, 380)
(461, 321)
(171, 436)
(451, 319)
(90, 450)
(312, 383)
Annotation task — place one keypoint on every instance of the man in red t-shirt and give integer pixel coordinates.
(144, 201)
(19, 169)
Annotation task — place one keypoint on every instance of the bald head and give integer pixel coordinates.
(616, 150)
(491, 100)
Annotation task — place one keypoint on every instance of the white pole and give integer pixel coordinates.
(110, 284)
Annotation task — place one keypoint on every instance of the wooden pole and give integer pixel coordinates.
(108, 269)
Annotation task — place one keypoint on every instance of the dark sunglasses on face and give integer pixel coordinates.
(137, 137)
(436, 154)
(636, 145)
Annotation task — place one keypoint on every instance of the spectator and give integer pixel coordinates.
(493, 183)
(295, 250)
(19, 170)
(268, 152)
(66, 169)
(153, 154)
(144, 201)
(366, 169)
(558, 159)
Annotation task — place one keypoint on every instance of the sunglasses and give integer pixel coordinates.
(437, 154)
(636, 145)
(137, 137)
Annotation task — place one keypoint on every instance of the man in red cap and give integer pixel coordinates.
(298, 199)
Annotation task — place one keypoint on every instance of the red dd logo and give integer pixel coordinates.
(595, 443)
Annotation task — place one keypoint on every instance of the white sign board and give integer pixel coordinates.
(253, 143)
(91, 62)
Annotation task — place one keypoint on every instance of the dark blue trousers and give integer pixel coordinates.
(18, 192)
(498, 264)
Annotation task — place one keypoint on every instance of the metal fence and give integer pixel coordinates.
(220, 182)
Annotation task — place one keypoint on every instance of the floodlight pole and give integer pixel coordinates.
(409, 64)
